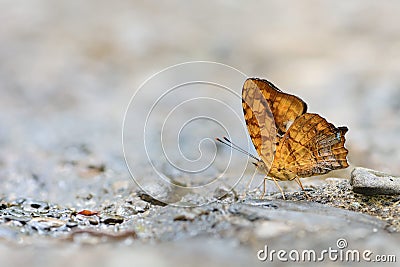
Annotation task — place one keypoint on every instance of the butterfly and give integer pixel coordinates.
(291, 143)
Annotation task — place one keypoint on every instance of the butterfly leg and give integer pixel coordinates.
(251, 180)
(297, 179)
(277, 185)
(265, 187)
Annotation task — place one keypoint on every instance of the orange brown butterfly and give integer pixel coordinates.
(291, 143)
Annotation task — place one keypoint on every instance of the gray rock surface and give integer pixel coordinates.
(371, 182)
(224, 232)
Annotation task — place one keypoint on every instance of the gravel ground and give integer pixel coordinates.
(68, 70)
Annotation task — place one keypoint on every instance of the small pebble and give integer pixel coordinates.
(34, 206)
(71, 224)
(185, 216)
(3, 205)
(112, 219)
(22, 219)
(93, 221)
(17, 212)
(45, 223)
(148, 198)
(355, 205)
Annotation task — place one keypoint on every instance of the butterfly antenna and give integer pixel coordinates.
(229, 143)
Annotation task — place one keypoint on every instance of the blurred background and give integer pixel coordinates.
(69, 68)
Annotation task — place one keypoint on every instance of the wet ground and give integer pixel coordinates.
(68, 70)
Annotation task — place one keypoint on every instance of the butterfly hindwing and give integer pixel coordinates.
(311, 146)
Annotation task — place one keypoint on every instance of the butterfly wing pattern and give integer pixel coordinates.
(299, 144)
(285, 108)
(311, 146)
(260, 123)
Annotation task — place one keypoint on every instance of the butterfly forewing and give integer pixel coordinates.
(285, 108)
(260, 122)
